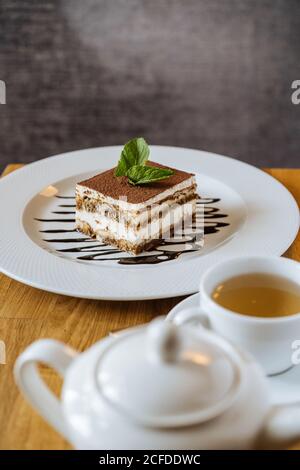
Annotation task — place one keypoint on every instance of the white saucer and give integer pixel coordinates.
(285, 387)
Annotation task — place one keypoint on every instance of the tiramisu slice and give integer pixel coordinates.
(135, 216)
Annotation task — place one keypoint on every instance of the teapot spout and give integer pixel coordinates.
(282, 428)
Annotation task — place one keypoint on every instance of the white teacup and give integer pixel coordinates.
(269, 340)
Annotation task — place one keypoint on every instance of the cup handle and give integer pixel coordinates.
(56, 355)
(193, 316)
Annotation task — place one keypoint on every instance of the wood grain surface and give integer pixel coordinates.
(27, 314)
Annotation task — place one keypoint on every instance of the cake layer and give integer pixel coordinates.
(120, 201)
(102, 227)
(123, 245)
(112, 187)
(101, 207)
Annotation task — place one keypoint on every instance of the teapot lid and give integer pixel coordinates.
(166, 375)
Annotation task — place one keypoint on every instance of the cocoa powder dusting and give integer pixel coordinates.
(110, 185)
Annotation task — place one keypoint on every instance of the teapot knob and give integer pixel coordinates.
(163, 341)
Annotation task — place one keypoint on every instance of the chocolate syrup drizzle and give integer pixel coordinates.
(102, 252)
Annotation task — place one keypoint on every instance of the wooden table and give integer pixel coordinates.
(27, 314)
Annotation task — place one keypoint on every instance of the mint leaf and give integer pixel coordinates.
(141, 174)
(135, 152)
(132, 163)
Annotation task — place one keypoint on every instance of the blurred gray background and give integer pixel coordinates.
(209, 74)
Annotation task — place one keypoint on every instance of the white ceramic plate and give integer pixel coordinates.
(284, 387)
(246, 212)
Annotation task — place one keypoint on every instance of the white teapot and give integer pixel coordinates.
(161, 386)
